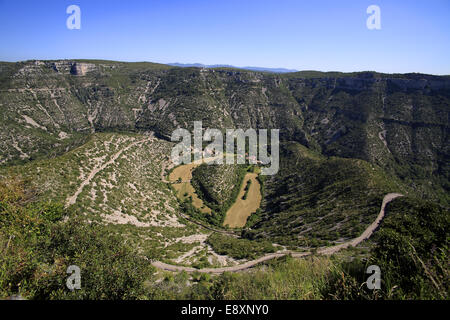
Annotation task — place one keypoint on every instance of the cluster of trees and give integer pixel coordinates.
(204, 180)
(214, 218)
(239, 248)
(246, 189)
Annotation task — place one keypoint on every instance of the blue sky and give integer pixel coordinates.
(321, 35)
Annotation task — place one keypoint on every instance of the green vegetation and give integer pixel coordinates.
(314, 200)
(412, 250)
(239, 248)
(246, 189)
(81, 181)
(281, 279)
(127, 195)
(37, 247)
(218, 186)
(189, 209)
(397, 122)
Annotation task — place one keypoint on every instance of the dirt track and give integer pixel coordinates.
(325, 251)
(71, 200)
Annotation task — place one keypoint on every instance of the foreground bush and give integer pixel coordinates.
(239, 248)
(37, 247)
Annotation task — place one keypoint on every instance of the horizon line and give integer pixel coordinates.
(220, 65)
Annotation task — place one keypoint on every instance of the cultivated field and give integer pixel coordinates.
(239, 212)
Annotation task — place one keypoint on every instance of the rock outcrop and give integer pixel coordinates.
(336, 114)
(81, 69)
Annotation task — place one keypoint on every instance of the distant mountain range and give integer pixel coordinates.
(262, 69)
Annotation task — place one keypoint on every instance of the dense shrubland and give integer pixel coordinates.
(239, 248)
(413, 249)
(218, 185)
(38, 245)
(316, 200)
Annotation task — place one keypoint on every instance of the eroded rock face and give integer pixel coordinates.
(81, 69)
(65, 67)
(61, 66)
(384, 119)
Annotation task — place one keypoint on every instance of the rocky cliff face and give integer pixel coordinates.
(80, 69)
(400, 122)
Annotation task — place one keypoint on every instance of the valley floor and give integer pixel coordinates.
(116, 179)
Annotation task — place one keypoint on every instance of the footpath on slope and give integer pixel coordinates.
(323, 251)
(71, 200)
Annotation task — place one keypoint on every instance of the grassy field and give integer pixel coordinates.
(237, 215)
(184, 188)
(183, 172)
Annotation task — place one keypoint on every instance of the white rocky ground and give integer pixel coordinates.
(117, 179)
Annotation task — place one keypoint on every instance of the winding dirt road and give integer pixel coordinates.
(72, 199)
(324, 251)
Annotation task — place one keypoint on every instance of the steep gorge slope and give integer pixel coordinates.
(400, 122)
(115, 180)
(316, 200)
(347, 139)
